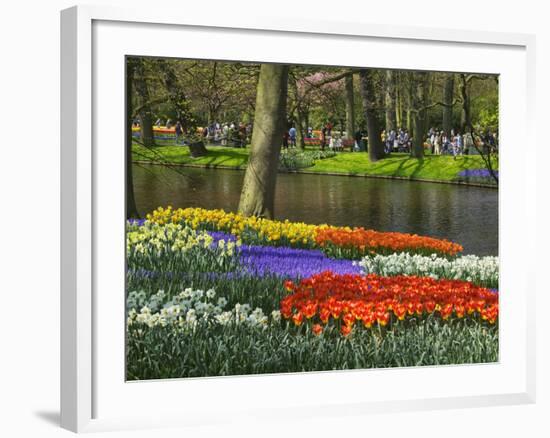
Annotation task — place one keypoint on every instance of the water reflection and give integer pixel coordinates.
(468, 215)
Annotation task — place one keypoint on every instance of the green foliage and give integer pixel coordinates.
(214, 350)
(294, 159)
(488, 118)
(268, 289)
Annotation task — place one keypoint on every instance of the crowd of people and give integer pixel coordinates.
(437, 141)
(440, 143)
(393, 141)
(228, 134)
(460, 144)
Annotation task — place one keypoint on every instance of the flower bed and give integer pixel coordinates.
(482, 271)
(177, 248)
(338, 242)
(482, 176)
(327, 297)
(357, 242)
(214, 293)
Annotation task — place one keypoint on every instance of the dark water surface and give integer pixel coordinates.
(467, 215)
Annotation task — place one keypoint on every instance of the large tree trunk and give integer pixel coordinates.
(258, 192)
(145, 115)
(418, 140)
(466, 118)
(368, 95)
(131, 209)
(350, 108)
(448, 101)
(390, 100)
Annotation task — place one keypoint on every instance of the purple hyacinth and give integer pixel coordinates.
(284, 261)
(138, 222)
(291, 262)
(476, 173)
(220, 235)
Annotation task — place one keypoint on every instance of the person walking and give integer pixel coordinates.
(285, 140)
(292, 134)
(454, 146)
(468, 142)
(460, 143)
(323, 138)
(225, 134)
(437, 144)
(358, 140)
(329, 128)
(179, 131)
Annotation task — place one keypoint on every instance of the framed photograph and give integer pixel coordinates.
(265, 217)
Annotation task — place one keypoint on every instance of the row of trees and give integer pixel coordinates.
(199, 93)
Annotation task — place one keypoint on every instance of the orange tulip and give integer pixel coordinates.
(324, 315)
(345, 330)
(297, 318)
(400, 311)
(348, 319)
(370, 298)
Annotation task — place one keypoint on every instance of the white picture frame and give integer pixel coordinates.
(89, 186)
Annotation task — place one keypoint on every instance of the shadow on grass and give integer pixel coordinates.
(222, 158)
(406, 166)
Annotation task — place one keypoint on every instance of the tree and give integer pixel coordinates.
(465, 95)
(142, 91)
(398, 100)
(218, 89)
(368, 95)
(465, 119)
(258, 192)
(299, 106)
(176, 95)
(448, 95)
(419, 102)
(131, 209)
(350, 107)
(314, 89)
(390, 99)
(178, 99)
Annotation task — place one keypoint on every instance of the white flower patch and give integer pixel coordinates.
(479, 270)
(188, 308)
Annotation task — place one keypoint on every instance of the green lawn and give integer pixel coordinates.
(443, 168)
(436, 167)
(217, 155)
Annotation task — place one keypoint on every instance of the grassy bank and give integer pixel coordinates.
(437, 167)
(217, 155)
(432, 167)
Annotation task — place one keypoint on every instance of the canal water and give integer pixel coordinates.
(466, 215)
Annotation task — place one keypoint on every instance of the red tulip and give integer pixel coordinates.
(297, 318)
(345, 330)
(317, 329)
